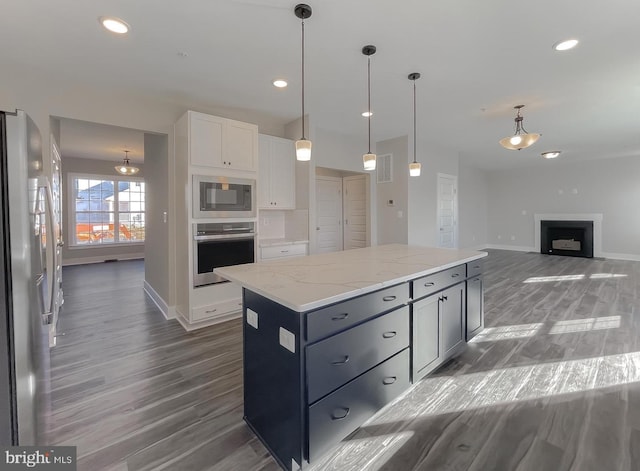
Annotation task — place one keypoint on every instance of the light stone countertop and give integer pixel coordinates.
(314, 281)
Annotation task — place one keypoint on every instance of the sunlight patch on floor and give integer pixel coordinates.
(449, 394)
(554, 278)
(370, 453)
(507, 332)
(583, 325)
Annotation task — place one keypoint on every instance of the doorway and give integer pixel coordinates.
(342, 207)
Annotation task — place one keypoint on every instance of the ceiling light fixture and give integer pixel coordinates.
(367, 114)
(126, 168)
(303, 145)
(565, 45)
(279, 83)
(552, 154)
(369, 159)
(115, 25)
(414, 167)
(521, 138)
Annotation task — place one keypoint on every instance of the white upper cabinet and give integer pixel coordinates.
(277, 172)
(222, 143)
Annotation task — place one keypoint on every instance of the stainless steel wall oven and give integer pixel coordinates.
(220, 245)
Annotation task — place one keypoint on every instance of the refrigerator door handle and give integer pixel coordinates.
(47, 315)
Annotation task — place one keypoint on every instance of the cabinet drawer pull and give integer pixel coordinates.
(210, 311)
(455, 275)
(341, 416)
(429, 284)
(389, 380)
(341, 362)
(284, 251)
(476, 266)
(389, 298)
(390, 334)
(340, 317)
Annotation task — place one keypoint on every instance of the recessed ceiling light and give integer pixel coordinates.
(280, 83)
(366, 114)
(565, 45)
(552, 154)
(115, 25)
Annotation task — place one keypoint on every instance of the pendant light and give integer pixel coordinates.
(414, 167)
(369, 159)
(521, 139)
(126, 168)
(303, 145)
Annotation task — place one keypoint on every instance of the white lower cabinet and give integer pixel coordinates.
(283, 251)
(211, 311)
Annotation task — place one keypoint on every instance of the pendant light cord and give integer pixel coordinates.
(369, 96)
(303, 138)
(414, 121)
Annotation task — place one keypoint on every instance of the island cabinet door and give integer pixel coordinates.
(426, 336)
(475, 307)
(453, 319)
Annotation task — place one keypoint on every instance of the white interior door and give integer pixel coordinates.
(355, 212)
(447, 210)
(328, 214)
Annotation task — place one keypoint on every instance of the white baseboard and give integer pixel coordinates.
(515, 248)
(186, 325)
(100, 258)
(610, 255)
(167, 311)
(621, 256)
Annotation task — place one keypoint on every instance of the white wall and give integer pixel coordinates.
(423, 191)
(472, 207)
(392, 220)
(608, 186)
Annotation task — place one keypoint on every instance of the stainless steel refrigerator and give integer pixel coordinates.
(27, 290)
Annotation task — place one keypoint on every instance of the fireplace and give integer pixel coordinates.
(572, 238)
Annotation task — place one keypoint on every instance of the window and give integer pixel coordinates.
(106, 211)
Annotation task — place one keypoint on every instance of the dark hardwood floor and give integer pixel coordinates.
(553, 383)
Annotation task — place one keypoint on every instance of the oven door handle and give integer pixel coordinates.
(245, 236)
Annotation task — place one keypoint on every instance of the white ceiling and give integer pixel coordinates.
(477, 60)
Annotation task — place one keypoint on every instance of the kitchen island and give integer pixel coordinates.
(329, 339)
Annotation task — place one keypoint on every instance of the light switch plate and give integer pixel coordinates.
(288, 340)
(252, 318)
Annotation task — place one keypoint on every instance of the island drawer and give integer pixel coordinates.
(338, 359)
(332, 319)
(438, 281)
(474, 268)
(340, 413)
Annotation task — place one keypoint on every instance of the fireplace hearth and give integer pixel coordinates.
(570, 238)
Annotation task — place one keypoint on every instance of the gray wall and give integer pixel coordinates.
(156, 157)
(90, 254)
(608, 186)
(392, 220)
(472, 207)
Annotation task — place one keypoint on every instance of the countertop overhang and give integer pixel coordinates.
(307, 283)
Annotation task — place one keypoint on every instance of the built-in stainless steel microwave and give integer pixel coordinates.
(223, 197)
